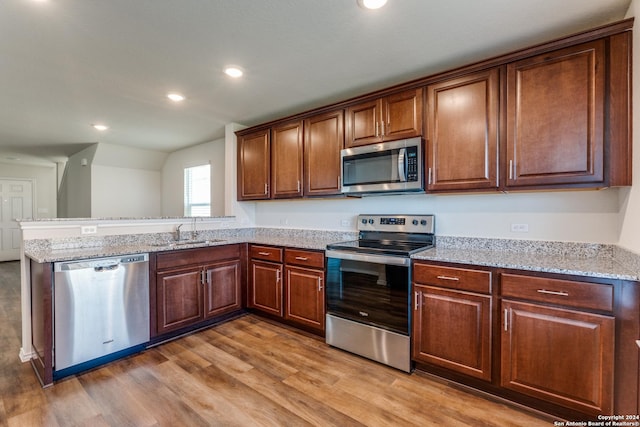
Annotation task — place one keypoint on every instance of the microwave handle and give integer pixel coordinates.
(402, 159)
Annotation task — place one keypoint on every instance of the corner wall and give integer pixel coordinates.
(630, 198)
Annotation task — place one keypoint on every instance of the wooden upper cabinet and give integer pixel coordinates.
(323, 140)
(254, 165)
(392, 117)
(555, 117)
(286, 160)
(462, 132)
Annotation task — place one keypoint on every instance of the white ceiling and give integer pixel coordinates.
(65, 64)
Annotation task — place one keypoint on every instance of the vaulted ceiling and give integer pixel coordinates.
(67, 64)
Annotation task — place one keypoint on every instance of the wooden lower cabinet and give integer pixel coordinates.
(266, 287)
(562, 344)
(304, 296)
(179, 295)
(222, 291)
(558, 355)
(452, 319)
(452, 329)
(296, 297)
(195, 285)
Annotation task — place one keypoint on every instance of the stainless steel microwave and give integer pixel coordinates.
(387, 167)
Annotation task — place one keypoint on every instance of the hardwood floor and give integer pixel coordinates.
(247, 372)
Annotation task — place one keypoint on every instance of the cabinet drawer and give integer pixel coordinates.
(594, 296)
(266, 253)
(454, 278)
(304, 258)
(182, 257)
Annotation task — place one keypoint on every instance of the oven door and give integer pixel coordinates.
(369, 289)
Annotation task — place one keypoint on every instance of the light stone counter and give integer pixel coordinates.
(581, 259)
(68, 249)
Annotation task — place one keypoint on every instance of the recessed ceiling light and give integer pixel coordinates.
(233, 71)
(175, 97)
(371, 4)
(100, 127)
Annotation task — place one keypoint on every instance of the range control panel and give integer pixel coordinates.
(397, 223)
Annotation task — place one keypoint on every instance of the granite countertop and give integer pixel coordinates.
(59, 250)
(580, 259)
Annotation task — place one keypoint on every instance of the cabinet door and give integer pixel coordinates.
(222, 288)
(562, 356)
(363, 123)
(462, 129)
(254, 162)
(286, 160)
(179, 298)
(323, 140)
(266, 287)
(452, 329)
(304, 296)
(402, 115)
(555, 123)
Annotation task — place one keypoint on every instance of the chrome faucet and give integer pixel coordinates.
(194, 232)
(178, 235)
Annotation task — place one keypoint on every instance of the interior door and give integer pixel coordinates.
(17, 202)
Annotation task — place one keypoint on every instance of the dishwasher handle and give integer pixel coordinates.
(100, 264)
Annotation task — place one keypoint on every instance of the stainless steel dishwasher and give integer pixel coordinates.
(101, 311)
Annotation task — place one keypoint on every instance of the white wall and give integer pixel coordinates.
(45, 190)
(630, 214)
(74, 197)
(125, 192)
(173, 176)
(584, 216)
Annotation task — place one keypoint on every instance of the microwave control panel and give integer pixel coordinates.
(412, 164)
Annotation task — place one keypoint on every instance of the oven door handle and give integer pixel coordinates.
(376, 259)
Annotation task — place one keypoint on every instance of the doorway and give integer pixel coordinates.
(16, 196)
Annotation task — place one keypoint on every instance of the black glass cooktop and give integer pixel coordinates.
(386, 247)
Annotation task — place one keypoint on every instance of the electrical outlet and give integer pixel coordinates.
(284, 221)
(345, 223)
(88, 229)
(520, 228)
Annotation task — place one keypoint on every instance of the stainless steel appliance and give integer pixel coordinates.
(368, 287)
(388, 167)
(101, 310)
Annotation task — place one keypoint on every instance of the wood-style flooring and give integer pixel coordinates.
(247, 372)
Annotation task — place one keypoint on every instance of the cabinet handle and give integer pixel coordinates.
(559, 293)
(377, 133)
(506, 319)
(319, 284)
(382, 128)
(302, 258)
(264, 253)
(298, 186)
(429, 176)
(202, 277)
(416, 300)
(389, 127)
(455, 279)
(511, 169)
(277, 276)
(266, 188)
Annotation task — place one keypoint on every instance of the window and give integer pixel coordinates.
(197, 191)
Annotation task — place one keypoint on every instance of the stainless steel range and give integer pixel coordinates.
(369, 287)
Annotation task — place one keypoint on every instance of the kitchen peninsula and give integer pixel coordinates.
(606, 268)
